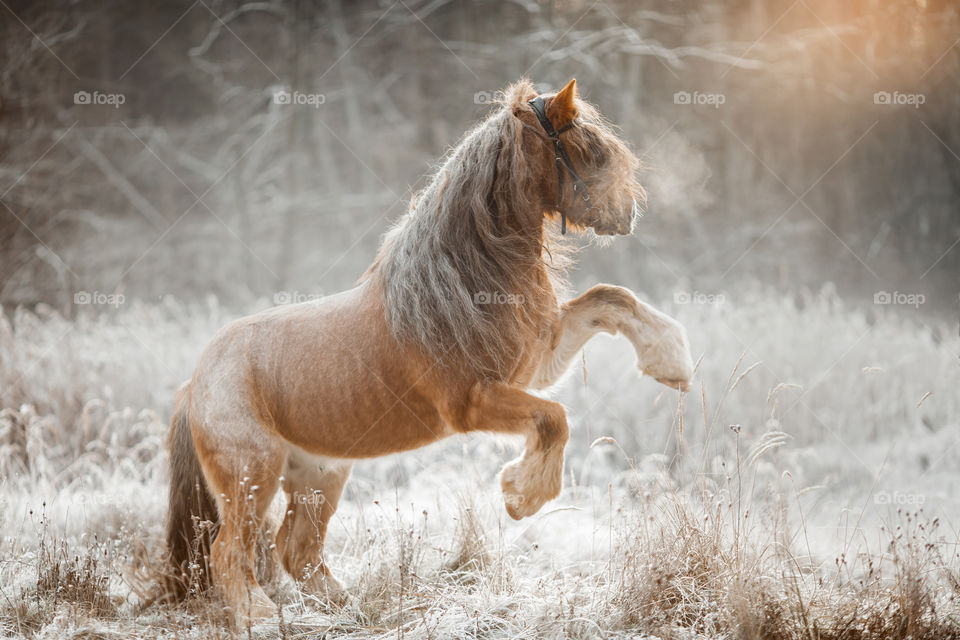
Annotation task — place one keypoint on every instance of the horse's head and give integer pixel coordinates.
(596, 172)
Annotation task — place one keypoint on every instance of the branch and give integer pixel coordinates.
(220, 22)
(118, 180)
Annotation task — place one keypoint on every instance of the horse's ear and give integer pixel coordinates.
(563, 108)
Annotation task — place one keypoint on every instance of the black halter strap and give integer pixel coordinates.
(563, 160)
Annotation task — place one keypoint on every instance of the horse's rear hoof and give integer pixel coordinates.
(258, 609)
(325, 588)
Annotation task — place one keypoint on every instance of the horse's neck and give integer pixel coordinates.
(540, 299)
(539, 274)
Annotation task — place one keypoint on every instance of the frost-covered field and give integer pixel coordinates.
(806, 488)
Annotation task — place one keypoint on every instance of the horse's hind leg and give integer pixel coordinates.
(313, 485)
(243, 470)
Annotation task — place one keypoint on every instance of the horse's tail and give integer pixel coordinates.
(191, 509)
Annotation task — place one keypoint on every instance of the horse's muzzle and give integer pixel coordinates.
(620, 226)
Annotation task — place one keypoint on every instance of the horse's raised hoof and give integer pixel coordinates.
(682, 385)
(521, 499)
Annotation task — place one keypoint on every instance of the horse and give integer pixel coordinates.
(456, 320)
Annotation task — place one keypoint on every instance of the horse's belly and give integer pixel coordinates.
(355, 403)
(352, 427)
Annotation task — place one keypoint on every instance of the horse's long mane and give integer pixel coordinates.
(459, 277)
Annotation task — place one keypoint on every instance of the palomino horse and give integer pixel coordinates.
(454, 320)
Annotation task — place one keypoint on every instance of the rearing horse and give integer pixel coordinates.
(455, 319)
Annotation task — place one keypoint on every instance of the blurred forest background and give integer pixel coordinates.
(166, 167)
(191, 178)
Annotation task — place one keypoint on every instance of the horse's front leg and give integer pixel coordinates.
(659, 341)
(537, 476)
